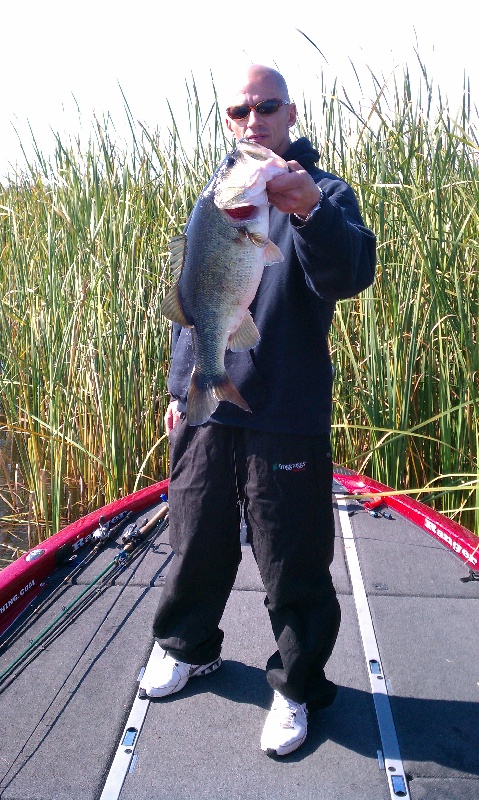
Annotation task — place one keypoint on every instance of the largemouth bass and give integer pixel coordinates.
(220, 262)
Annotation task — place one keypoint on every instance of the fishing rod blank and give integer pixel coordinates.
(119, 562)
(100, 536)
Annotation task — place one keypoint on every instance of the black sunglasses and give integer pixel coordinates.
(264, 107)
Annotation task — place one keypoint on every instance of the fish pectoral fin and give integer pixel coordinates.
(177, 246)
(246, 337)
(171, 308)
(255, 238)
(272, 253)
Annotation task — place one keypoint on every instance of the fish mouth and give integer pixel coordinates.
(253, 146)
(242, 212)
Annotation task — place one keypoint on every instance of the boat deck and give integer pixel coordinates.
(64, 715)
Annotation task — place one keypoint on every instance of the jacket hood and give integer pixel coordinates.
(303, 152)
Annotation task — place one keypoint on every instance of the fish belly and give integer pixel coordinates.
(222, 306)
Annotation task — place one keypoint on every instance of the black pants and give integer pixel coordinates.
(284, 483)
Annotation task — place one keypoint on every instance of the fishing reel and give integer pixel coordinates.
(106, 528)
(132, 534)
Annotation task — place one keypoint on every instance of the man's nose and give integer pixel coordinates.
(253, 116)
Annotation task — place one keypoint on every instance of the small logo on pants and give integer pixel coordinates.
(300, 466)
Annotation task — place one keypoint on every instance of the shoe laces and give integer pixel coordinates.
(285, 710)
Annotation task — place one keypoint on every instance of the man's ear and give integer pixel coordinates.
(292, 115)
(228, 124)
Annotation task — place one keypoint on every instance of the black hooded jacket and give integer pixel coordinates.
(287, 378)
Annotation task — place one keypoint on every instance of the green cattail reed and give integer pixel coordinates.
(84, 265)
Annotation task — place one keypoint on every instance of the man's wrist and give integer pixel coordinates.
(315, 208)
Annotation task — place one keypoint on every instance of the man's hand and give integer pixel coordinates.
(293, 192)
(172, 416)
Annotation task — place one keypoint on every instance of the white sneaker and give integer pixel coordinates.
(285, 728)
(165, 675)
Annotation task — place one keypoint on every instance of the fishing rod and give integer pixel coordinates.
(71, 613)
(132, 537)
(105, 532)
(135, 540)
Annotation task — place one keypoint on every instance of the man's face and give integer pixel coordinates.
(270, 130)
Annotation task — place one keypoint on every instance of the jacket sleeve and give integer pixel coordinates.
(336, 250)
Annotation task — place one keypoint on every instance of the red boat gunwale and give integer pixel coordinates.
(452, 535)
(22, 580)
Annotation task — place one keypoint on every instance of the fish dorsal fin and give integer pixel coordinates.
(246, 337)
(177, 247)
(171, 308)
(171, 305)
(272, 253)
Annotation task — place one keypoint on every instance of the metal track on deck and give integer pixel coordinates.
(391, 755)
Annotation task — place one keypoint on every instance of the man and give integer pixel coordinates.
(276, 461)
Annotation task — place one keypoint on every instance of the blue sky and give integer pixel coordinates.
(62, 63)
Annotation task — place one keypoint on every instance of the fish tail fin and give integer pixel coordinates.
(204, 397)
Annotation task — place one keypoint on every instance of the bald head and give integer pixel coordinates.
(259, 74)
(254, 85)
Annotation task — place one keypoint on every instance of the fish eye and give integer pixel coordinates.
(230, 161)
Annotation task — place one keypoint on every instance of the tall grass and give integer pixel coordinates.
(406, 352)
(83, 266)
(84, 243)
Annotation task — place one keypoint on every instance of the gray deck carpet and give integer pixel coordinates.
(62, 717)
